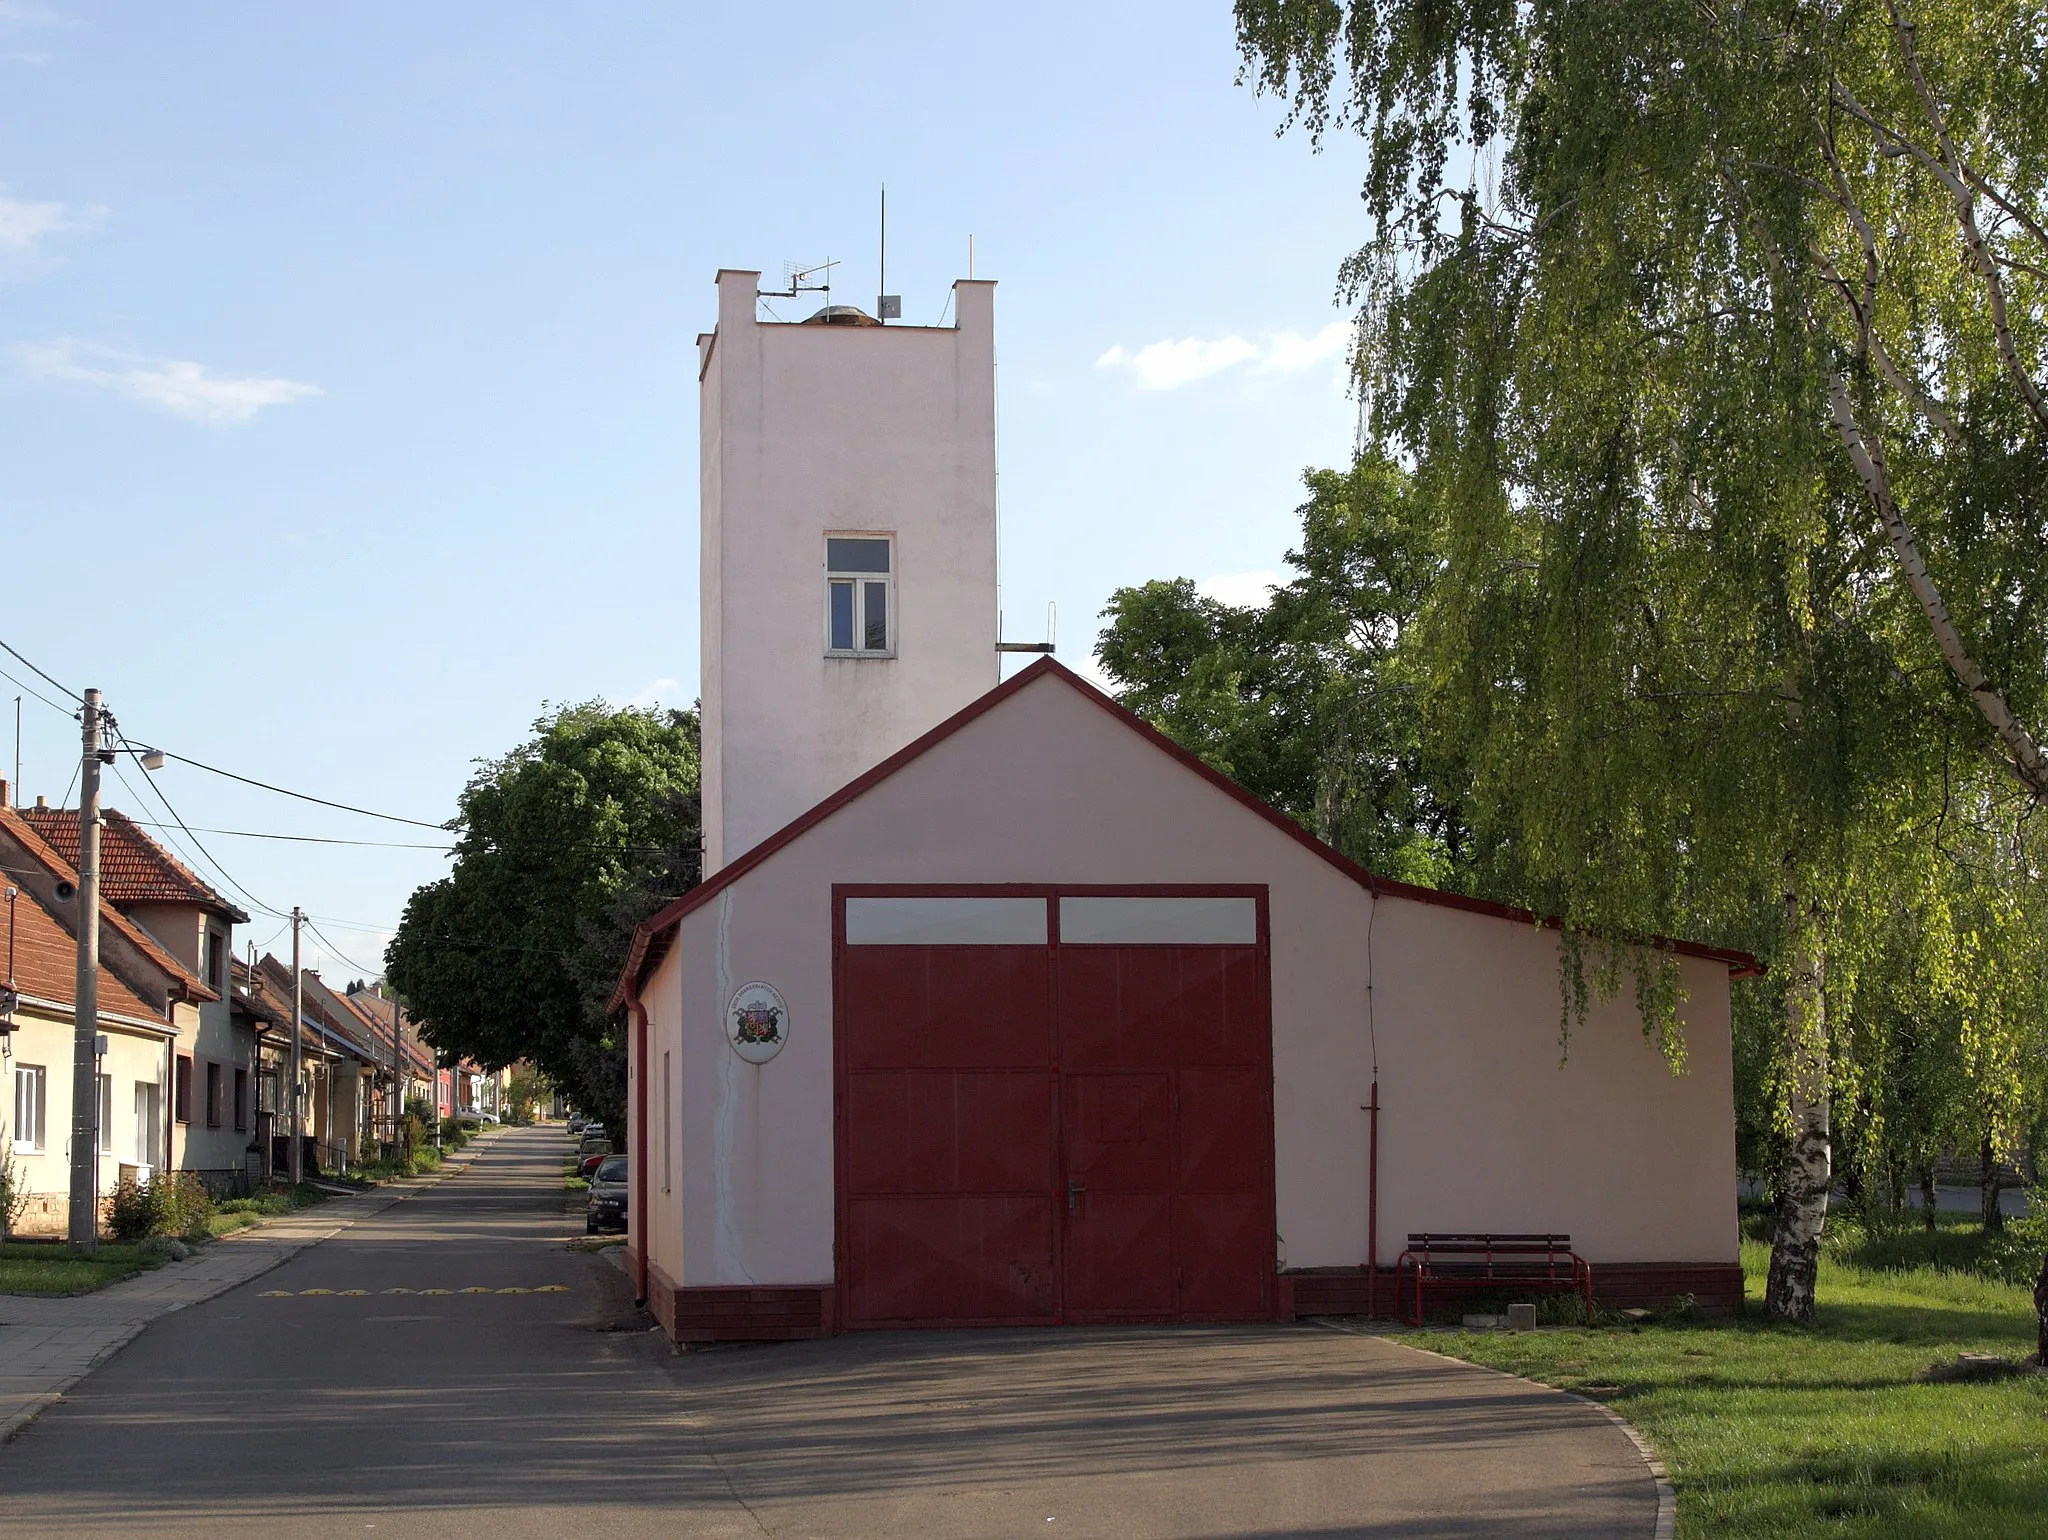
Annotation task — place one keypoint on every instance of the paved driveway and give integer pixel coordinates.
(1292, 1431)
(293, 1406)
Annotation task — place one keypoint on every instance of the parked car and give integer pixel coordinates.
(593, 1144)
(592, 1161)
(576, 1126)
(607, 1206)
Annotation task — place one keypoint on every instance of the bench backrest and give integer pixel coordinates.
(1496, 1245)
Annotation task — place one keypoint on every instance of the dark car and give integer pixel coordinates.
(607, 1208)
(592, 1161)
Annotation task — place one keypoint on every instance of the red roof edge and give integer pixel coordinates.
(638, 960)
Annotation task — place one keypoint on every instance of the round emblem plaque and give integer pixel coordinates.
(757, 1022)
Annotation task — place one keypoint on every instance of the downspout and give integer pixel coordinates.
(636, 1193)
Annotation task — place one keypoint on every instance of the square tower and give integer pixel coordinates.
(848, 575)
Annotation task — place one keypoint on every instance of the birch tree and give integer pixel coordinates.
(1717, 333)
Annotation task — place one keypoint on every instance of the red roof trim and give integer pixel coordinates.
(642, 957)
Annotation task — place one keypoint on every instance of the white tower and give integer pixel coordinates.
(849, 547)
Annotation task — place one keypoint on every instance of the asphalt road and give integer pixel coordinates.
(554, 1412)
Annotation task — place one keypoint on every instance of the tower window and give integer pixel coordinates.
(859, 618)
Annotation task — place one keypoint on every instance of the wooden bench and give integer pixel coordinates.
(1493, 1262)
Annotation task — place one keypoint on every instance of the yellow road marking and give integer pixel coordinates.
(307, 1293)
(398, 1291)
(515, 1291)
(474, 1288)
(436, 1291)
(275, 1294)
(552, 1288)
(354, 1293)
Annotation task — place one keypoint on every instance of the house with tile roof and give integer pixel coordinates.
(149, 1002)
(213, 1073)
(416, 1060)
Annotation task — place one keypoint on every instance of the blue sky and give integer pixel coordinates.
(347, 399)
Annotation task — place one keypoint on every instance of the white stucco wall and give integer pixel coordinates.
(845, 429)
(1483, 1125)
(662, 998)
(209, 1038)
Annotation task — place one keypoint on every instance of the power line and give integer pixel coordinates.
(60, 688)
(283, 791)
(338, 952)
(32, 690)
(304, 839)
(178, 819)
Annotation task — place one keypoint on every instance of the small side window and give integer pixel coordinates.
(860, 619)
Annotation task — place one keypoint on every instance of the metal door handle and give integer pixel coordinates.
(1074, 1190)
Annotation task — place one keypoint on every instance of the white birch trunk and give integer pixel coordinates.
(1808, 1174)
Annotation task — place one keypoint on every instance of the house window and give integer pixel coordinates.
(216, 961)
(860, 620)
(181, 1090)
(31, 1088)
(213, 1097)
(241, 1100)
(149, 1096)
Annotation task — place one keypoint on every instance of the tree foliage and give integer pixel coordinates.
(562, 847)
(1713, 336)
(1307, 700)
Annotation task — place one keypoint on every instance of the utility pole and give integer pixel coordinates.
(84, 1224)
(298, 1150)
(397, 1071)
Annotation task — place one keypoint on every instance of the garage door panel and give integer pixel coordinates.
(957, 1007)
(963, 1259)
(1119, 1256)
(1147, 1006)
(1225, 1141)
(951, 1131)
(1223, 1244)
(1119, 1132)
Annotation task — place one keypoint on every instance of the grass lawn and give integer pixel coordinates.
(29, 1267)
(1833, 1430)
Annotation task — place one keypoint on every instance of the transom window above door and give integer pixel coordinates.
(860, 619)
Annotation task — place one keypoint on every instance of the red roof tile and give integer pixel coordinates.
(45, 963)
(182, 981)
(134, 869)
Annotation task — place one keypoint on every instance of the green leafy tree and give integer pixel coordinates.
(1307, 700)
(1715, 334)
(562, 847)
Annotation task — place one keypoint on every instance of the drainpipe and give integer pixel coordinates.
(1372, 1209)
(636, 1198)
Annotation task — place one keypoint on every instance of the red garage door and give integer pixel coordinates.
(1053, 1106)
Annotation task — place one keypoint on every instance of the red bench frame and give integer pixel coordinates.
(1494, 1262)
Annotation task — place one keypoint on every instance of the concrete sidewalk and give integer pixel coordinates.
(47, 1345)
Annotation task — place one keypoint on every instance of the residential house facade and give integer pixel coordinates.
(212, 1096)
(149, 1003)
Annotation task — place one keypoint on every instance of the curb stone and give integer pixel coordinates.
(33, 1404)
(1666, 1524)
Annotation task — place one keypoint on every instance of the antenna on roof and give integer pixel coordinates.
(798, 279)
(888, 307)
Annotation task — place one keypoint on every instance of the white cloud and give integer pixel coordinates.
(1240, 589)
(23, 224)
(175, 385)
(1175, 362)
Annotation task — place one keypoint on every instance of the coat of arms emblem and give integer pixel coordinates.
(757, 1022)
